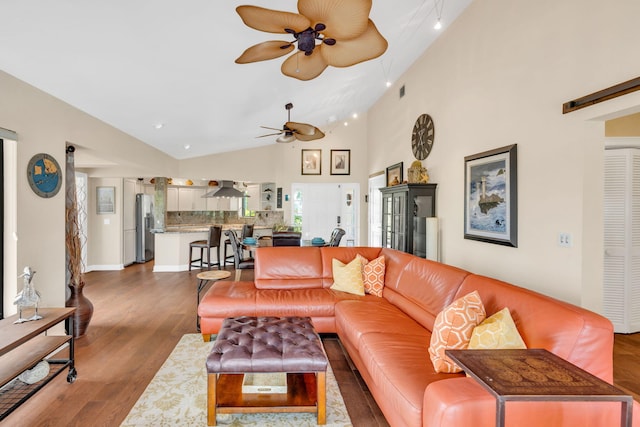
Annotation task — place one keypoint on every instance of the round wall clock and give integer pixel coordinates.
(44, 175)
(422, 137)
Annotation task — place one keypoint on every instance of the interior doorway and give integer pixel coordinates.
(319, 208)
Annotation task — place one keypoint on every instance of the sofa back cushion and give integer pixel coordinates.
(288, 267)
(580, 336)
(420, 287)
(343, 254)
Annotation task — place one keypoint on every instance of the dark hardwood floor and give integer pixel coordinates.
(138, 319)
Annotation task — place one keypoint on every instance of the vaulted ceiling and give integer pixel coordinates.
(142, 64)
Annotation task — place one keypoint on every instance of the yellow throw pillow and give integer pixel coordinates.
(348, 278)
(453, 328)
(373, 275)
(497, 331)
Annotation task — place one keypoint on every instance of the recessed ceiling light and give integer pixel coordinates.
(389, 83)
(438, 25)
(354, 115)
(346, 123)
(158, 125)
(187, 146)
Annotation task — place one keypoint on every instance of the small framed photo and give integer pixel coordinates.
(394, 174)
(105, 200)
(340, 162)
(311, 163)
(491, 196)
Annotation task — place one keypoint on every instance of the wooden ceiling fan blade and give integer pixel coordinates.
(346, 53)
(303, 67)
(287, 137)
(301, 128)
(272, 21)
(319, 134)
(265, 51)
(344, 19)
(269, 134)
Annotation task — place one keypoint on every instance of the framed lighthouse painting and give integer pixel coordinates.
(491, 196)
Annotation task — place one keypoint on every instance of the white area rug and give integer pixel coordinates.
(177, 396)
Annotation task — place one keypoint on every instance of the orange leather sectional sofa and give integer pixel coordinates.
(388, 337)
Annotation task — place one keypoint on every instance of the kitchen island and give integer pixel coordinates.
(172, 245)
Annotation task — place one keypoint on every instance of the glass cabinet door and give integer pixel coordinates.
(399, 221)
(387, 209)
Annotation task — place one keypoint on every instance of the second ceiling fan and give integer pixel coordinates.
(294, 130)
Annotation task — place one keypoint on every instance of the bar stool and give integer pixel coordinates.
(247, 231)
(213, 241)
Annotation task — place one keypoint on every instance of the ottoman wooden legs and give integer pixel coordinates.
(224, 395)
(321, 396)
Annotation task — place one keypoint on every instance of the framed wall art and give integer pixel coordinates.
(491, 196)
(105, 200)
(394, 174)
(311, 162)
(340, 162)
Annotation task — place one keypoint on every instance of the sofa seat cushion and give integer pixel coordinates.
(228, 299)
(400, 369)
(295, 302)
(353, 319)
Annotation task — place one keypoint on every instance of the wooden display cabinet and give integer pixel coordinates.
(405, 208)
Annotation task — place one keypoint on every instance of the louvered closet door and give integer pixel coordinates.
(622, 239)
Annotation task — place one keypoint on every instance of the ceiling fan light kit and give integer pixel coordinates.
(334, 33)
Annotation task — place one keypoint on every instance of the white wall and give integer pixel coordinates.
(46, 124)
(105, 231)
(499, 76)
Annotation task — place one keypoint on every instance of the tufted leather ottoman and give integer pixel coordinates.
(267, 344)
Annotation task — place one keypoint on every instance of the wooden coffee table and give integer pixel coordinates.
(265, 345)
(536, 375)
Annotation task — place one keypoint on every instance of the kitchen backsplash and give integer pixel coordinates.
(262, 218)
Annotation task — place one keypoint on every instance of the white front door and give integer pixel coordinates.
(319, 208)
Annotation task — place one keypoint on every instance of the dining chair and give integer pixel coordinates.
(213, 241)
(239, 262)
(247, 231)
(336, 236)
(286, 238)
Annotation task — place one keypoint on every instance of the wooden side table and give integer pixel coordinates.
(203, 279)
(536, 375)
(24, 345)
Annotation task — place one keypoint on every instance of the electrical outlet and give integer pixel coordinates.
(565, 240)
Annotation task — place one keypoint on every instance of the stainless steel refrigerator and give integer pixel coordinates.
(144, 223)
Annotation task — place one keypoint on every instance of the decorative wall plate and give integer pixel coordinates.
(44, 175)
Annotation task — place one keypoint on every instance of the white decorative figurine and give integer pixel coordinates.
(29, 297)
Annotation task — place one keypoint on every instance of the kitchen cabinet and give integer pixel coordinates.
(405, 208)
(190, 199)
(172, 199)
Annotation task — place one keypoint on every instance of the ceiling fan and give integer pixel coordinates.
(293, 130)
(343, 29)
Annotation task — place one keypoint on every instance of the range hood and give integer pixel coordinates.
(225, 190)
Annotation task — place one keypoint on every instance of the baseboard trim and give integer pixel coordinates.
(105, 267)
(172, 268)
